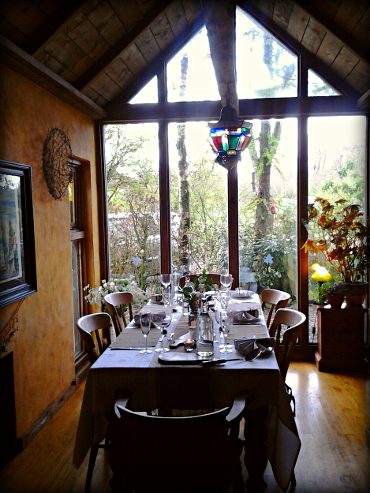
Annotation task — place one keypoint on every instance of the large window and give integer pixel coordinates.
(172, 208)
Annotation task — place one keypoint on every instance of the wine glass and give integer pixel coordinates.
(145, 324)
(165, 280)
(226, 321)
(224, 299)
(226, 280)
(166, 322)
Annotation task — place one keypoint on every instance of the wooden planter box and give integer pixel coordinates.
(341, 339)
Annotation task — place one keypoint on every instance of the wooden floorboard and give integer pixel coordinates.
(332, 417)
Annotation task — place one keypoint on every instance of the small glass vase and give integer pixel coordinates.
(192, 321)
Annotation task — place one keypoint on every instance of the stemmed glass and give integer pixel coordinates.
(224, 299)
(145, 324)
(166, 322)
(165, 280)
(226, 280)
(226, 320)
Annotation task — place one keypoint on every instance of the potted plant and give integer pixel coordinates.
(331, 291)
(341, 234)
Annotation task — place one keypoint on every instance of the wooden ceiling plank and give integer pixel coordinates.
(58, 68)
(120, 73)
(27, 66)
(176, 17)
(25, 17)
(191, 9)
(84, 34)
(107, 23)
(124, 43)
(361, 48)
(344, 63)
(12, 33)
(329, 48)
(162, 32)
(53, 26)
(298, 23)
(145, 5)
(349, 14)
(313, 36)
(147, 45)
(151, 70)
(72, 56)
(133, 59)
(106, 87)
(128, 11)
(282, 12)
(361, 33)
(96, 97)
(359, 76)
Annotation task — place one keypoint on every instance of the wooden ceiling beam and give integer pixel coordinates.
(248, 109)
(327, 22)
(53, 26)
(124, 43)
(219, 17)
(156, 66)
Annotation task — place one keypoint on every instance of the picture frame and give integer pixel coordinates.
(17, 237)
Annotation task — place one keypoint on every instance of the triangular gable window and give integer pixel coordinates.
(148, 94)
(190, 73)
(318, 87)
(265, 68)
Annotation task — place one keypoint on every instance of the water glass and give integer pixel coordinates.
(145, 324)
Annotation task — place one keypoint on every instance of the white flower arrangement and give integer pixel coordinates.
(96, 295)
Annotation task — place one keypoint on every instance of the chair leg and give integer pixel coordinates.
(293, 483)
(93, 454)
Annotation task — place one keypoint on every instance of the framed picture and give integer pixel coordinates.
(17, 239)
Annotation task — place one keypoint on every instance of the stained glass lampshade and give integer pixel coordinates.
(229, 137)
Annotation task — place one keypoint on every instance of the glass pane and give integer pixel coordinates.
(265, 68)
(184, 82)
(267, 176)
(133, 200)
(336, 170)
(318, 87)
(198, 201)
(148, 94)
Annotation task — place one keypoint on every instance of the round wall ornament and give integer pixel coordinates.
(55, 154)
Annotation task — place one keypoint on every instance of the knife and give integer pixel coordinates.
(212, 362)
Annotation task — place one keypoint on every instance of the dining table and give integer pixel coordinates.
(168, 381)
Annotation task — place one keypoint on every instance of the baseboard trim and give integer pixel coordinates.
(26, 438)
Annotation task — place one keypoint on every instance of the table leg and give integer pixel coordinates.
(255, 458)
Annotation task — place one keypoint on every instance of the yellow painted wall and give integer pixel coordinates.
(43, 348)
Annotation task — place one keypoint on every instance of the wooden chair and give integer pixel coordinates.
(275, 299)
(215, 278)
(117, 305)
(87, 326)
(284, 345)
(176, 454)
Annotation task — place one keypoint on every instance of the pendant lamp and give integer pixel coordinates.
(229, 137)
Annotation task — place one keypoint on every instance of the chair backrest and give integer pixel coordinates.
(89, 324)
(174, 454)
(275, 299)
(117, 305)
(293, 320)
(215, 278)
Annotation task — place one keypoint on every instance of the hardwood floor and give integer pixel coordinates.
(332, 416)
